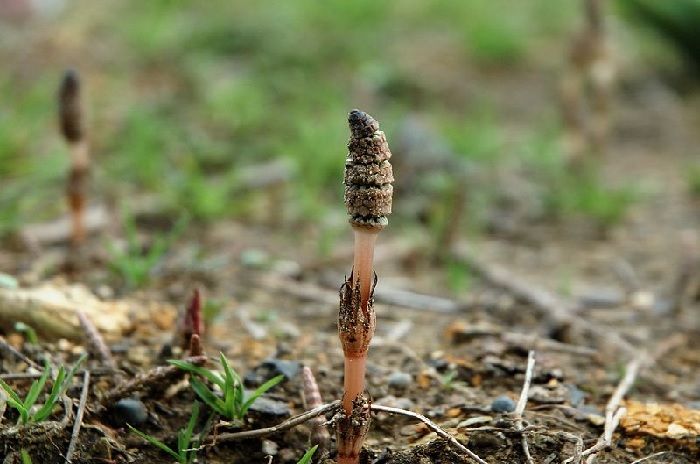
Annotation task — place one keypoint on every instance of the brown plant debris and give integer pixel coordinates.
(352, 429)
(356, 324)
(671, 421)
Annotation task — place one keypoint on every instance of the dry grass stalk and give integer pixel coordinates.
(368, 197)
(590, 64)
(149, 381)
(71, 121)
(522, 402)
(95, 341)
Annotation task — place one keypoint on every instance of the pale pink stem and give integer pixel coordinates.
(79, 163)
(79, 154)
(354, 380)
(362, 269)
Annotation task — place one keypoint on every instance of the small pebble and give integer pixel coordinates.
(271, 368)
(270, 448)
(394, 402)
(503, 404)
(289, 369)
(400, 380)
(576, 396)
(129, 411)
(269, 407)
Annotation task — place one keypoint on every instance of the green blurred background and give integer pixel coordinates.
(184, 96)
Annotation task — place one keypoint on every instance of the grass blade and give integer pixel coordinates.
(184, 437)
(200, 371)
(232, 381)
(260, 391)
(37, 387)
(155, 442)
(206, 395)
(60, 385)
(26, 458)
(12, 395)
(15, 401)
(47, 408)
(306, 458)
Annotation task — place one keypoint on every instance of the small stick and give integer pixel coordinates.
(613, 411)
(282, 426)
(578, 447)
(150, 380)
(651, 456)
(95, 340)
(431, 425)
(4, 346)
(78, 417)
(522, 402)
(101, 372)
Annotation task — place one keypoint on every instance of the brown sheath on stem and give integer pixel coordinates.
(351, 430)
(356, 325)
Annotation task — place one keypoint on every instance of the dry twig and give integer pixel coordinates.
(613, 412)
(95, 340)
(522, 402)
(431, 425)
(651, 456)
(153, 379)
(79, 417)
(282, 426)
(5, 346)
(578, 447)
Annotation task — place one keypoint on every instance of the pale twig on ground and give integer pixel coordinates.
(36, 375)
(78, 417)
(578, 447)
(651, 456)
(288, 424)
(613, 411)
(431, 425)
(153, 379)
(95, 340)
(4, 346)
(522, 402)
